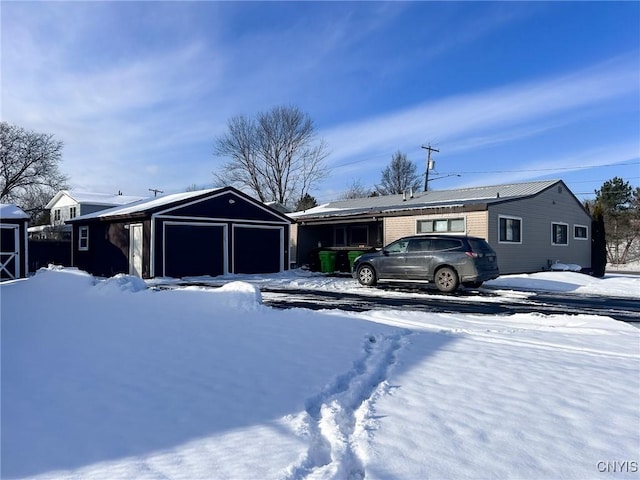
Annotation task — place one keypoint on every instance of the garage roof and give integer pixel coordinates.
(10, 211)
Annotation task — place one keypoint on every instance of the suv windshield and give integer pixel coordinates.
(397, 247)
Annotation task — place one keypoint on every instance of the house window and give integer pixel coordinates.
(559, 234)
(359, 235)
(580, 232)
(509, 230)
(83, 238)
(351, 235)
(72, 212)
(440, 225)
(56, 215)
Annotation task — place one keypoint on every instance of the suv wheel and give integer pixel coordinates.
(447, 280)
(367, 275)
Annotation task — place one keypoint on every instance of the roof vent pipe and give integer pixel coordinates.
(497, 194)
(404, 196)
(411, 193)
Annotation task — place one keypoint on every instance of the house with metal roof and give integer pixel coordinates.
(530, 225)
(207, 232)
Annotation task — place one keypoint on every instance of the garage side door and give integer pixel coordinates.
(194, 250)
(257, 250)
(9, 252)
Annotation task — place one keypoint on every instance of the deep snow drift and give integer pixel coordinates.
(109, 379)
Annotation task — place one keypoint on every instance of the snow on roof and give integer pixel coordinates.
(432, 198)
(320, 209)
(144, 205)
(10, 211)
(93, 198)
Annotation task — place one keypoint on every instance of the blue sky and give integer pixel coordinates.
(507, 91)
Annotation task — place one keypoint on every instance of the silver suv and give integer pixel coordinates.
(446, 260)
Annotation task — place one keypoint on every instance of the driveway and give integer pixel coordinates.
(484, 301)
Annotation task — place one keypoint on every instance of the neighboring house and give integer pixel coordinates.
(208, 232)
(68, 204)
(14, 248)
(530, 225)
(50, 244)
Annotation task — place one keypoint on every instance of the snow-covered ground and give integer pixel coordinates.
(108, 379)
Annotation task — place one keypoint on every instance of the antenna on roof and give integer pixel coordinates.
(155, 191)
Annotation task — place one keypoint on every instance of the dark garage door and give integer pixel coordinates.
(194, 250)
(256, 250)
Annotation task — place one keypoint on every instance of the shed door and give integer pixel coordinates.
(135, 249)
(9, 252)
(258, 249)
(194, 249)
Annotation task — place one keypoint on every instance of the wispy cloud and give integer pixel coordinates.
(140, 91)
(516, 111)
(119, 116)
(559, 165)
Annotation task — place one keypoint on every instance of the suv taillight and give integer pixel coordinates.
(472, 254)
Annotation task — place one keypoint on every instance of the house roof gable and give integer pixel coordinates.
(92, 198)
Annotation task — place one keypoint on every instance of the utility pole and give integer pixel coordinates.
(429, 149)
(155, 191)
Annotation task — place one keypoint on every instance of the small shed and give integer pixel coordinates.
(208, 232)
(14, 257)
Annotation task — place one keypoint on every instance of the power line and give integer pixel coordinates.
(551, 169)
(594, 181)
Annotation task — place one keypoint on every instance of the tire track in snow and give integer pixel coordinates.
(337, 420)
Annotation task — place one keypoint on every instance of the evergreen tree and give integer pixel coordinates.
(619, 204)
(306, 202)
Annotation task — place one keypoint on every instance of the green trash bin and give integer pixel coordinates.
(327, 261)
(352, 258)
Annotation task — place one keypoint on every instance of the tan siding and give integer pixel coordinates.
(396, 227)
(477, 224)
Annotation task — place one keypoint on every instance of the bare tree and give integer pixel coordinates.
(399, 176)
(277, 156)
(356, 190)
(29, 168)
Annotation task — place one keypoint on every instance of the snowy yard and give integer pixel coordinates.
(107, 379)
